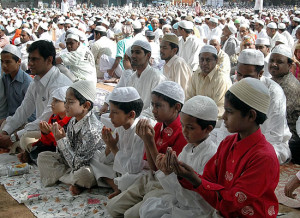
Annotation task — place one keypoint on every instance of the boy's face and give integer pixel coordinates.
(117, 116)
(57, 106)
(233, 119)
(8, 64)
(162, 111)
(73, 107)
(191, 130)
(138, 56)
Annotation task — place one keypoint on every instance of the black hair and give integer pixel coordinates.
(290, 61)
(145, 51)
(136, 106)
(172, 102)
(45, 48)
(101, 33)
(215, 56)
(81, 98)
(244, 108)
(12, 55)
(187, 31)
(136, 31)
(173, 45)
(205, 123)
(151, 37)
(258, 68)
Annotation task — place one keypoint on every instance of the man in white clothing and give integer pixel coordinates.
(260, 31)
(263, 44)
(43, 32)
(26, 41)
(38, 96)
(282, 30)
(273, 34)
(65, 7)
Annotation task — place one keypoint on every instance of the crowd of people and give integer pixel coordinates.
(204, 112)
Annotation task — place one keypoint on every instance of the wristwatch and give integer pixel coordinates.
(13, 138)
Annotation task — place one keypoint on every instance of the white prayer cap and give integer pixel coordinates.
(44, 26)
(252, 92)
(296, 19)
(217, 38)
(13, 50)
(171, 89)
(245, 25)
(142, 20)
(136, 24)
(61, 22)
(35, 21)
(188, 25)
(283, 50)
(262, 41)
(209, 49)
(207, 17)
(60, 93)
(198, 20)
(252, 57)
(281, 26)
(261, 22)
(100, 29)
(105, 22)
(68, 21)
(73, 36)
(124, 94)
(281, 38)
(232, 28)
(86, 88)
(166, 26)
(214, 20)
(201, 107)
(28, 31)
(142, 43)
(90, 23)
(17, 41)
(272, 25)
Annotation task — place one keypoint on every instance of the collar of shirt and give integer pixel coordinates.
(46, 78)
(19, 77)
(169, 130)
(78, 126)
(281, 80)
(245, 144)
(143, 74)
(171, 61)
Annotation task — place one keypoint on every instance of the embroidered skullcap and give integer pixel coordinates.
(17, 41)
(100, 29)
(171, 37)
(73, 36)
(281, 26)
(209, 48)
(188, 25)
(124, 94)
(60, 93)
(253, 93)
(136, 24)
(201, 107)
(86, 88)
(262, 41)
(144, 44)
(172, 90)
(252, 57)
(283, 50)
(13, 50)
(149, 33)
(232, 28)
(272, 25)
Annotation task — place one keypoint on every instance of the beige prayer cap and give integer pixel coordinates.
(86, 88)
(201, 107)
(253, 93)
(283, 50)
(172, 90)
(171, 37)
(13, 50)
(251, 57)
(124, 94)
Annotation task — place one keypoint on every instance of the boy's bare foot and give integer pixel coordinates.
(115, 193)
(23, 157)
(76, 190)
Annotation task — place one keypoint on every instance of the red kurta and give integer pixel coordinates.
(245, 173)
(170, 136)
(48, 139)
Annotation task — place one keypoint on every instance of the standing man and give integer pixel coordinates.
(65, 7)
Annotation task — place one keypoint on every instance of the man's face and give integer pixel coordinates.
(270, 32)
(166, 52)
(278, 65)
(264, 49)
(207, 62)
(40, 31)
(37, 64)
(24, 37)
(246, 70)
(215, 43)
(154, 24)
(257, 27)
(243, 31)
(8, 64)
(138, 56)
(72, 44)
(226, 31)
(67, 26)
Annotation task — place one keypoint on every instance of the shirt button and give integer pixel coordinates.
(208, 186)
(232, 161)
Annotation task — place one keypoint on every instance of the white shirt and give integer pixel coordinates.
(45, 36)
(61, 39)
(155, 61)
(37, 98)
(274, 39)
(266, 72)
(262, 34)
(189, 50)
(181, 202)
(158, 34)
(64, 7)
(214, 33)
(81, 63)
(289, 38)
(24, 57)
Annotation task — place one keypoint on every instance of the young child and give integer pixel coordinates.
(76, 147)
(47, 141)
(124, 153)
(240, 179)
(167, 100)
(198, 118)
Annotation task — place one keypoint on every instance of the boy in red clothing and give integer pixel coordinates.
(47, 141)
(240, 179)
(167, 100)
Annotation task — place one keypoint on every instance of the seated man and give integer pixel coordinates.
(15, 81)
(79, 59)
(208, 80)
(38, 96)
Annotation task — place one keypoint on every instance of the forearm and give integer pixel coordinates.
(117, 62)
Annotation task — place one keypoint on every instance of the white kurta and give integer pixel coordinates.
(181, 202)
(81, 63)
(274, 39)
(266, 72)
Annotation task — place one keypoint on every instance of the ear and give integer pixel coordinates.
(19, 61)
(178, 107)
(50, 60)
(252, 115)
(209, 128)
(132, 114)
(87, 105)
(260, 74)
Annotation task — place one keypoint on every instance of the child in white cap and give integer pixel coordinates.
(167, 99)
(76, 146)
(198, 117)
(240, 179)
(47, 141)
(124, 149)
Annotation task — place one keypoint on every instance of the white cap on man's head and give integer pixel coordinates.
(272, 25)
(283, 50)
(144, 44)
(73, 36)
(262, 41)
(251, 57)
(124, 94)
(209, 49)
(13, 50)
(188, 25)
(172, 90)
